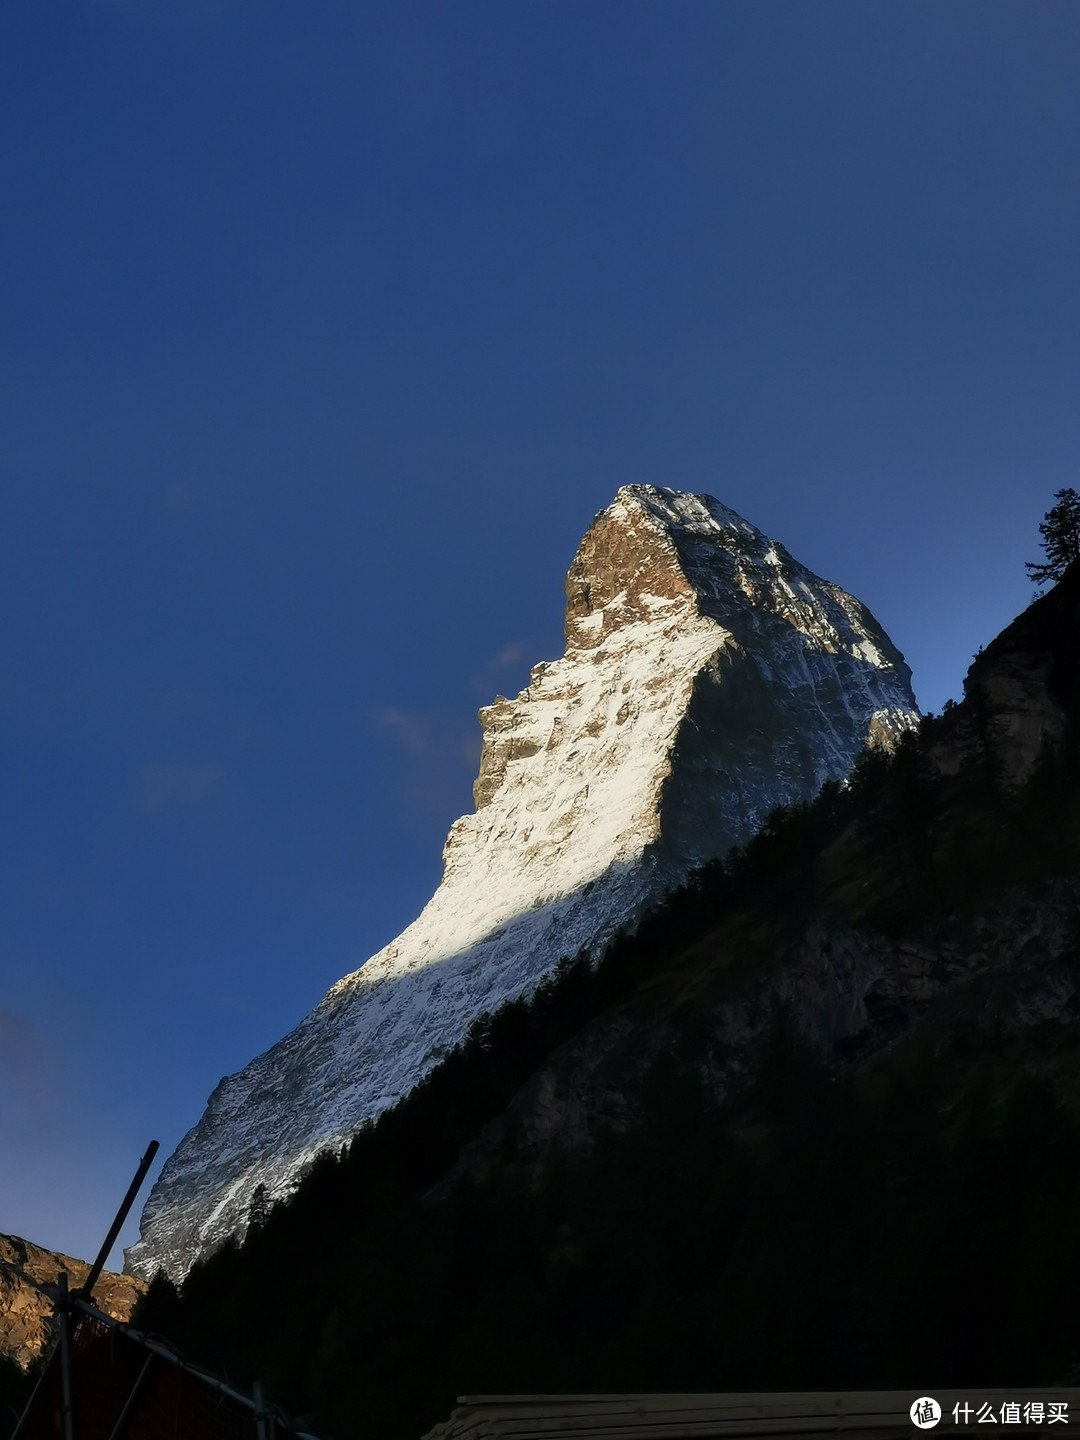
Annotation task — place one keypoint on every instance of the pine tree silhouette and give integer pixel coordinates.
(1060, 531)
(259, 1208)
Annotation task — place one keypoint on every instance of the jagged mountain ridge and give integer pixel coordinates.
(708, 677)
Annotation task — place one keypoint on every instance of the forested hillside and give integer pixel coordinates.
(817, 1124)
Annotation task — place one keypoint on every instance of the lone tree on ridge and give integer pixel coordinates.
(1060, 530)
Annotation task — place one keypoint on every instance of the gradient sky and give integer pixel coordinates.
(325, 330)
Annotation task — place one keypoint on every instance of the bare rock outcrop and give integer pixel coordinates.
(26, 1307)
(1019, 690)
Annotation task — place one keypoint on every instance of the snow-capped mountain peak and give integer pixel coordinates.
(707, 678)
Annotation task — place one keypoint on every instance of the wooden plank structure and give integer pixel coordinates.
(105, 1380)
(875, 1415)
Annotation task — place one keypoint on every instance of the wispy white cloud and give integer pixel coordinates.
(31, 1077)
(411, 731)
(442, 752)
(177, 497)
(163, 785)
(442, 748)
(231, 1005)
(492, 673)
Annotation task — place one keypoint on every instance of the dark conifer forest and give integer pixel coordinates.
(901, 1214)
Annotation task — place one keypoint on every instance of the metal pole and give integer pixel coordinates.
(260, 1410)
(63, 1321)
(140, 1337)
(129, 1404)
(30, 1403)
(87, 1287)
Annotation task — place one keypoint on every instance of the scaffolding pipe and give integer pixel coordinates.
(160, 1348)
(63, 1322)
(86, 1289)
(129, 1404)
(260, 1410)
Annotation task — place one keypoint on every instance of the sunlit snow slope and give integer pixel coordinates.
(707, 678)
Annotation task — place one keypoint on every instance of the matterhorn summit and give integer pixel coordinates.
(708, 677)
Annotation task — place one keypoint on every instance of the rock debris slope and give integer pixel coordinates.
(708, 677)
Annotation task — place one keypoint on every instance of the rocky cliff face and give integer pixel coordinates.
(26, 1307)
(1020, 691)
(708, 677)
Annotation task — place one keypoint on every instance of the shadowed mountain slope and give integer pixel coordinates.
(815, 1125)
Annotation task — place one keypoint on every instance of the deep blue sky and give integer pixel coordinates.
(326, 328)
